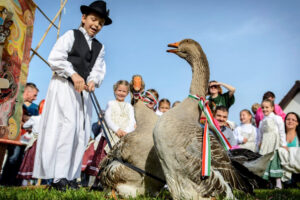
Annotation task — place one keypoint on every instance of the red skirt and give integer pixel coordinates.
(93, 168)
(88, 157)
(26, 169)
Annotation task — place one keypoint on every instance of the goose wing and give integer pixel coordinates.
(190, 154)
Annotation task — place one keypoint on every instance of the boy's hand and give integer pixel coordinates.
(90, 87)
(78, 81)
(120, 133)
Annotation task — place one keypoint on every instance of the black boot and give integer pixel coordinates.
(73, 185)
(61, 185)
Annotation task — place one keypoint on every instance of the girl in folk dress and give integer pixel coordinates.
(271, 136)
(119, 114)
(245, 134)
(271, 133)
(26, 169)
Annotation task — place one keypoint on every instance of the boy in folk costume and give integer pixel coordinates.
(78, 65)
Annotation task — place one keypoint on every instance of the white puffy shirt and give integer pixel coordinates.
(120, 115)
(62, 67)
(245, 128)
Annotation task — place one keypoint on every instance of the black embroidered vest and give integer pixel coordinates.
(81, 57)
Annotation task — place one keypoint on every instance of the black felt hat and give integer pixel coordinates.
(98, 7)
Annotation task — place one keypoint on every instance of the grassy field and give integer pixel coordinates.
(20, 193)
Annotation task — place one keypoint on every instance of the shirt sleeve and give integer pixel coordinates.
(99, 69)
(239, 138)
(281, 130)
(231, 137)
(229, 101)
(108, 119)
(29, 123)
(132, 122)
(59, 55)
(253, 138)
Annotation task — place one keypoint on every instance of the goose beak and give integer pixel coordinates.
(174, 45)
(137, 83)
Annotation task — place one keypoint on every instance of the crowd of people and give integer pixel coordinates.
(59, 148)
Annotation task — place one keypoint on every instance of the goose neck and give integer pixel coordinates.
(200, 78)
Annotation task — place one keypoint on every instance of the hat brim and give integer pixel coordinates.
(86, 10)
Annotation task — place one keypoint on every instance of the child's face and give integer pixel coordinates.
(92, 23)
(164, 107)
(267, 108)
(121, 92)
(245, 117)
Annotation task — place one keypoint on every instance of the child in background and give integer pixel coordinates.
(175, 104)
(254, 109)
(163, 106)
(271, 137)
(271, 133)
(245, 134)
(77, 60)
(152, 98)
(26, 169)
(119, 114)
(259, 115)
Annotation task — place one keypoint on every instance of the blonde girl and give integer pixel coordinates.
(119, 114)
(245, 134)
(271, 137)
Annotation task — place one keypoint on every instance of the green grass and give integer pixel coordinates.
(19, 193)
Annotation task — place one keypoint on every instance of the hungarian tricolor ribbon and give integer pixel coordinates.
(206, 155)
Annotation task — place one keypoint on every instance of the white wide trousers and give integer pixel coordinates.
(64, 131)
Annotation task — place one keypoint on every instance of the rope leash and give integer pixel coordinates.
(206, 151)
(104, 125)
(101, 118)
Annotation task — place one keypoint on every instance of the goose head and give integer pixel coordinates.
(188, 49)
(137, 86)
(192, 52)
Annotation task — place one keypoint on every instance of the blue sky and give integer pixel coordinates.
(251, 45)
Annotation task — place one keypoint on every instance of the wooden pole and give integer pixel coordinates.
(50, 25)
(34, 52)
(47, 17)
(59, 22)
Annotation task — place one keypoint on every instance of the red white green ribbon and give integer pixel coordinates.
(146, 99)
(206, 155)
